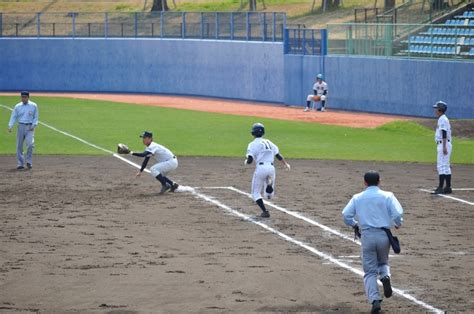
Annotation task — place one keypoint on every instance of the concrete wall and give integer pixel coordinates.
(240, 70)
(398, 86)
(231, 69)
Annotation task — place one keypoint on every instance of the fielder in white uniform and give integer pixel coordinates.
(444, 148)
(263, 152)
(166, 162)
(320, 91)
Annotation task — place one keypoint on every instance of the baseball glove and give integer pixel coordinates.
(123, 149)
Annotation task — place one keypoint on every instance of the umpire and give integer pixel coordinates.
(374, 209)
(26, 114)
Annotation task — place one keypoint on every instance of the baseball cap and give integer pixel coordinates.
(146, 134)
(440, 105)
(25, 93)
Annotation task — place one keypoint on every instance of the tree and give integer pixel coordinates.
(160, 5)
(329, 4)
(252, 5)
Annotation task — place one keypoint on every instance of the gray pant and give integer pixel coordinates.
(375, 249)
(25, 134)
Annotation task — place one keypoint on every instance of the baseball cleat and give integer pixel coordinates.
(269, 188)
(265, 214)
(306, 109)
(20, 168)
(322, 109)
(174, 187)
(376, 307)
(165, 188)
(387, 287)
(438, 191)
(29, 166)
(447, 190)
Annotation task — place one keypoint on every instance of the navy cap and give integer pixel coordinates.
(25, 93)
(441, 105)
(146, 134)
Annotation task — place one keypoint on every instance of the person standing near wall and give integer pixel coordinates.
(26, 114)
(444, 148)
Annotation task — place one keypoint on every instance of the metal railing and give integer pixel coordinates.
(193, 25)
(304, 41)
(402, 40)
(412, 11)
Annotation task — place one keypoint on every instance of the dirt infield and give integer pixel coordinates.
(254, 109)
(82, 234)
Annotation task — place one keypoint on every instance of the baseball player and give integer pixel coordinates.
(26, 113)
(444, 148)
(263, 151)
(166, 162)
(374, 209)
(320, 90)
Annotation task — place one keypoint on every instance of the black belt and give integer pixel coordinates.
(439, 142)
(262, 163)
(25, 123)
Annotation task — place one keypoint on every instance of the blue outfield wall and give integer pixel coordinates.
(226, 69)
(235, 69)
(384, 85)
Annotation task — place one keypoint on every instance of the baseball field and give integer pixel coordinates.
(80, 233)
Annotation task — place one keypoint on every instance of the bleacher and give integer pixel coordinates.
(453, 39)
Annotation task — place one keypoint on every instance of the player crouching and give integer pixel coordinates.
(320, 92)
(263, 152)
(166, 161)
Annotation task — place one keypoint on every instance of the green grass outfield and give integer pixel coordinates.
(192, 133)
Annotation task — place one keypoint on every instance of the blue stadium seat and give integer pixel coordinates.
(471, 52)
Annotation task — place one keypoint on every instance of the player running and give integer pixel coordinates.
(167, 162)
(263, 151)
(320, 90)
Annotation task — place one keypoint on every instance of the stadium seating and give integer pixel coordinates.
(455, 38)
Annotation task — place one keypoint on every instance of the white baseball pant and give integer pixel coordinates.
(164, 167)
(259, 180)
(443, 164)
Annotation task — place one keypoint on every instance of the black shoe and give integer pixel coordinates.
(269, 189)
(376, 307)
(438, 191)
(447, 190)
(20, 168)
(165, 188)
(174, 187)
(387, 287)
(265, 214)
(29, 166)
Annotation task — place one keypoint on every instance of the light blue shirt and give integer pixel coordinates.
(24, 113)
(373, 208)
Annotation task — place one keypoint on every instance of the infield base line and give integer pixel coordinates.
(450, 197)
(211, 200)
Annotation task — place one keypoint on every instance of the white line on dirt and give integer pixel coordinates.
(211, 200)
(450, 197)
(292, 213)
(463, 189)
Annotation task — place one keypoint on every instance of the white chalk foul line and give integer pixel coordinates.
(450, 197)
(211, 200)
(293, 213)
(313, 250)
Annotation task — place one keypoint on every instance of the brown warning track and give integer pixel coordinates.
(242, 108)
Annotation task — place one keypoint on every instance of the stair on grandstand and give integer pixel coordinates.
(453, 39)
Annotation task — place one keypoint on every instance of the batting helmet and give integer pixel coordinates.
(441, 106)
(258, 130)
(319, 76)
